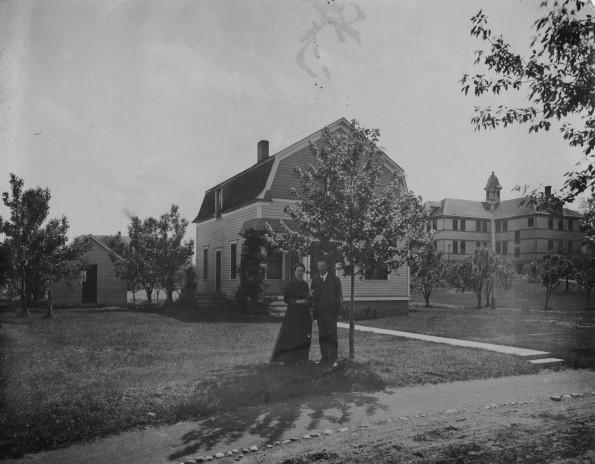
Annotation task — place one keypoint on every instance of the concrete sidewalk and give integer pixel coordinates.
(536, 357)
(259, 426)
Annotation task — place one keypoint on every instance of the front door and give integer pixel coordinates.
(218, 271)
(90, 285)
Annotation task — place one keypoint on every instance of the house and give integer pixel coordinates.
(98, 286)
(258, 196)
(522, 233)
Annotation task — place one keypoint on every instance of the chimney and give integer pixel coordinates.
(548, 191)
(263, 151)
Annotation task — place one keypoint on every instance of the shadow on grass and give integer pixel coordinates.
(267, 401)
(192, 314)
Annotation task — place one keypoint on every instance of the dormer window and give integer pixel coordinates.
(218, 202)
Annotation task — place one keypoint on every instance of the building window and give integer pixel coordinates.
(560, 224)
(435, 224)
(550, 223)
(378, 272)
(428, 226)
(205, 263)
(504, 248)
(274, 264)
(550, 245)
(218, 202)
(462, 247)
(462, 224)
(435, 244)
(504, 226)
(517, 237)
(530, 222)
(233, 268)
(517, 252)
(477, 244)
(455, 224)
(455, 247)
(485, 244)
(478, 226)
(498, 226)
(484, 226)
(570, 224)
(569, 246)
(498, 248)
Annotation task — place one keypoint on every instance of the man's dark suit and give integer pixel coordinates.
(327, 309)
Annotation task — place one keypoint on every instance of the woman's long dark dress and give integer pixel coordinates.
(293, 342)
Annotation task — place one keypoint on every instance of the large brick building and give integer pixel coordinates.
(523, 234)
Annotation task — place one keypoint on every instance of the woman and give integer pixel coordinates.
(293, 341)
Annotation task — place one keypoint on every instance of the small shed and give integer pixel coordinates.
(98, 286)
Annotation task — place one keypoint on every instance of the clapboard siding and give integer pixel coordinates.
(219, 234)
(111, 290)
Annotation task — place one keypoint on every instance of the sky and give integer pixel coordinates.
(123, 108)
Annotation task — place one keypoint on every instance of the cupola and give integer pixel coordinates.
(493, 189)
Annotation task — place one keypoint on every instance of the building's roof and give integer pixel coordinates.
(453, 207)
(250, 184)
(237, 191)
(493, 183)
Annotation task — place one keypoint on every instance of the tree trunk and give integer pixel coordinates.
(479, 295)
(50, 311)
(149, 292)
(352, 319)
(547, 298)
(23, 295)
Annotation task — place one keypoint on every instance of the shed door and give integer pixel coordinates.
(90, 285)
(218, 271)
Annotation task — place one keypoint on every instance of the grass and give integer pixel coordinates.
(523, 295)
(92, 372)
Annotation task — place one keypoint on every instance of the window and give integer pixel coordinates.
(550, 245)
(530, 222)
(498, 248)
(504, 226)
(477, 244)
(428, 226)
(550, 223)
(462, 224)
(378, 272)
(435, 224)
(478, 226)
(484, 226)
(435, 244)
(517, 236)
(455, 247)
(498, 226)
(485, 244)
(205, 263)
(274, 264)
(218, 202)
(233, 260)
(517, 252)
(462, 247)
(570, 224)
(504, 248)
(569, 246)
(560, 224)
(455, 224)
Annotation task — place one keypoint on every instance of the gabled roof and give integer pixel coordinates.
(252, 183)
(103, 241)
(453, 207)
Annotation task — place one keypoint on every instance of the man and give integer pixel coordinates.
(327, 309)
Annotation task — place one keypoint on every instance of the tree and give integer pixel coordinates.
(479, 271)
(252, 271)
(503, 272)
(428, 269)
(558, 76)
(584, 273)
(39, 252)
(346, 212)
(549, 270)
(172, 253)
(188, 285)
(587, 222)
(155, 254)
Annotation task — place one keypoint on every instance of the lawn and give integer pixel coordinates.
(92, 372)
(522, 295)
